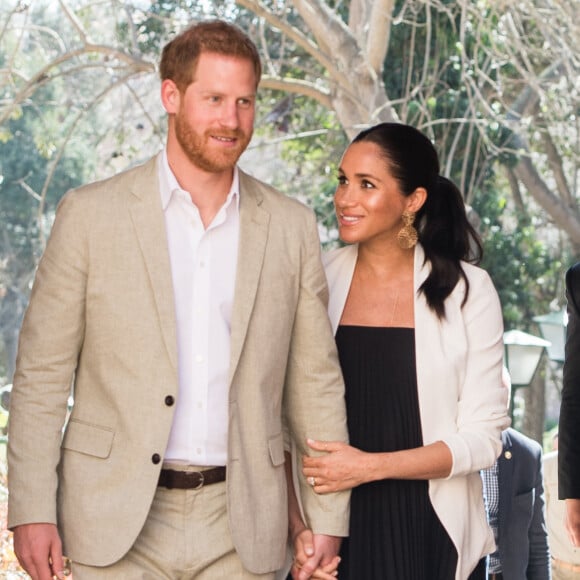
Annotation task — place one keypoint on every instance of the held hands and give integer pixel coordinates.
(315, 556)
(37, 546)
(342, 467)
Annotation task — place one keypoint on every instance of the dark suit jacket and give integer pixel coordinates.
(569, 427)
(523, 537)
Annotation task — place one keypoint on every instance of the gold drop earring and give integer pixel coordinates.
(407, 236)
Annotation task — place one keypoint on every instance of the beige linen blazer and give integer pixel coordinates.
(101, 318)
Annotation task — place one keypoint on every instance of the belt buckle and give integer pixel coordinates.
(201, 480)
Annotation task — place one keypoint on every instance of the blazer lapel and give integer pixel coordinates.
(149, 223)
(254, 225)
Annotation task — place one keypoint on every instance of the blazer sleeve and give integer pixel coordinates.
(314, 390)
(569, 424)
(49, 346)
(483, 401)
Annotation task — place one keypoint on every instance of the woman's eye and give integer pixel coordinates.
(341, 179)
(367, 184)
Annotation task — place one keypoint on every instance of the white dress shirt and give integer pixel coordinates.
(203, 265)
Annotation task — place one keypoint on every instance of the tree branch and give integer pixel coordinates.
(568, 217)
(557, 167)
(379, 33)
(42, 76)
(291, 32)
(299, 87)
(328, 29)
(74, 21)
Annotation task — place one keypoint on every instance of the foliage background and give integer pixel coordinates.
(494, 83)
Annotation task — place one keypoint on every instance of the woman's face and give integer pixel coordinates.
(368, 201)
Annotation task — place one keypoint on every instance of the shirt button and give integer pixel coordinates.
(199, 359)
(169, 400)
(156, 458)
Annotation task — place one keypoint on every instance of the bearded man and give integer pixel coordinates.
(185, 303)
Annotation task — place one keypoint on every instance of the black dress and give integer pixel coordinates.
(394, 531)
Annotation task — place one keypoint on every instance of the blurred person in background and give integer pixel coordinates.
(569, 421)
(514, 494)
(565, 556)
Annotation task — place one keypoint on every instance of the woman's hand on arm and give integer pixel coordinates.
(344, 467)
(341, 467)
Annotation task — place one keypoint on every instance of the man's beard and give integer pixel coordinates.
(195, 146)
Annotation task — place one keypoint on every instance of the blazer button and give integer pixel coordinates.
(156, 458)
(169, 400)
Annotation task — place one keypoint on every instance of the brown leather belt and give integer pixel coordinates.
(495, 576)
(173, 479)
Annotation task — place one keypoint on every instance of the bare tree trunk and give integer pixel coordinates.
(535, 402)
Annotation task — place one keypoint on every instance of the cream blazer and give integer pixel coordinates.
(101, 317)
(461, 398)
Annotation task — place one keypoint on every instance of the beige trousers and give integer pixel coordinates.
(561, 573)
(186, 536)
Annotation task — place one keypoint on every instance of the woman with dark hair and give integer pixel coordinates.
(419, 332)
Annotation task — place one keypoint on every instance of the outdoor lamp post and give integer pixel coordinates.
(523, 352)
(553, 328)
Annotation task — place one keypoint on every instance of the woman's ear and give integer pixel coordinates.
(416, 200)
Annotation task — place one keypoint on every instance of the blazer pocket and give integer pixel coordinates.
(276, 447)
(523, 507)
(88, 439)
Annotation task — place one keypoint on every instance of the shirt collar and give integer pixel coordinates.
(168, 183)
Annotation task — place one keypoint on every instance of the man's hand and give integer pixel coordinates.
(316, 556)
(37, 546)
(573, 521)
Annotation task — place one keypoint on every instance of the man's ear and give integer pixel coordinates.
(170, 96)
